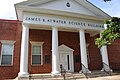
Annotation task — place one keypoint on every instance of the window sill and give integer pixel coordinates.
(6, 65)
(36, 64)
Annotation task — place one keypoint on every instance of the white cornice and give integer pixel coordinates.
(55, 12)
(26, 6)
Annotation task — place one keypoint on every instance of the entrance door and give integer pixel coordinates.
(65, 61)
(66, 58)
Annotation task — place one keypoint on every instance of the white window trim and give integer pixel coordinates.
(7, 42)
(37, 44)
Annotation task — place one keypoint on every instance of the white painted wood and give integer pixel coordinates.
(78, 8)
(55, 55)
(83, 51)
(104, 55)
(63, 52)
(35, 43)
(24, 51)
(105, 58)
(64, 48)
(72, 62)
(61, 21)
(8, 42)
(60, 5)
(64, 61)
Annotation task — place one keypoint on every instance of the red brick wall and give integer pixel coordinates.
(10, 30)
(114, 55)
(94, 53)
(41, 36)
(70, 39)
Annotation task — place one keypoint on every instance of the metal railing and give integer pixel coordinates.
(109, 70)
(85, 72)
(63, 71)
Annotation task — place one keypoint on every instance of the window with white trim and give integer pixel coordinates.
(36, 52)
(7, 53)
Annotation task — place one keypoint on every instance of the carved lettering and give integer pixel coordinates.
(59, 21)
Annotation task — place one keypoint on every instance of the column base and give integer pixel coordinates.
(83, 71)
(108, 69)
(55, 73)
(23, 75)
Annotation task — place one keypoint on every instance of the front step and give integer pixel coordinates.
(68, 76)
(94, 74)
(74, 76)
(44, 77)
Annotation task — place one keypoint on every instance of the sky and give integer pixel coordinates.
(112, 7)
(7, 10)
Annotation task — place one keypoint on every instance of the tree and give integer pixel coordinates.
(106, 0)
(111, 33)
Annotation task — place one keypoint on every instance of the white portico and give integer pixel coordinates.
(60, 15)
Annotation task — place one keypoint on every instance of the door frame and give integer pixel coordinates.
(63, 49)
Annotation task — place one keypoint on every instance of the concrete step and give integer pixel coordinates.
(68, 76)
(97, 74)
(74, 76)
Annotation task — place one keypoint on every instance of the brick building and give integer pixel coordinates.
(48, 34)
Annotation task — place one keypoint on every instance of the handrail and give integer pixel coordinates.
(63, 71)
(109, 69)
(86, 71)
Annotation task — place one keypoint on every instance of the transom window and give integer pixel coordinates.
(36, 52)
(7, 53)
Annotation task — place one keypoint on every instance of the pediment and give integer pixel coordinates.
(64, 5)
(73, 8)
(65, 48)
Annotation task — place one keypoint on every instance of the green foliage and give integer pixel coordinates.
(106, 0)
(111, 33)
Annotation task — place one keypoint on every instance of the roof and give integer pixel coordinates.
(81, 8)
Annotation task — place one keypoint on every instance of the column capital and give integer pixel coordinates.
(25, 24)
(101, 31)
(54, 27)
(81, 29)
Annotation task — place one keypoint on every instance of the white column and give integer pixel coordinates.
(83, 51)
(104, 55)
(24, 51)
(55, 55)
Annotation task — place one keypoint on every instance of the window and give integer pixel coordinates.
(36, 52)
(7, 53)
